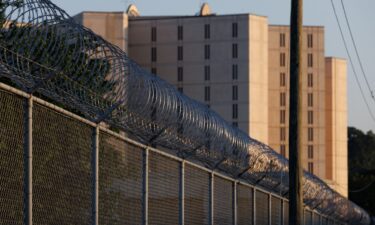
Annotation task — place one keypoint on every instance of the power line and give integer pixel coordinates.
(363, 188)
(351, 62)
(356, 51)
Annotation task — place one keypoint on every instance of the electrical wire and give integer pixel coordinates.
(363, 188)
(352, 64)
(356, 51)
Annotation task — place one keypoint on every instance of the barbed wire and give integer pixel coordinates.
(42, 50)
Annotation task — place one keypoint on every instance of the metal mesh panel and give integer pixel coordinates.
(316, 219)
(61, 169)
(308, 217)
(163, 190)
(262, 208)
(11, 159)
(120, 181)
(286, 212)
(276, 213)
(197, 196)
(244, 205)
(223, 201)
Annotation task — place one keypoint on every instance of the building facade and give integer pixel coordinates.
(238, 65)
(313, 99)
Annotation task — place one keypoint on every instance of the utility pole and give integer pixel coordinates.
(295, 116)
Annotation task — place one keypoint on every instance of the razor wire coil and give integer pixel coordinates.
(43, 51)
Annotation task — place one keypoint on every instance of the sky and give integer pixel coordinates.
(316, 12)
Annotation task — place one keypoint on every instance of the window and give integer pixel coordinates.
(234, 51)
(310, 80)
(207, 52)
(180, 33)
(234, 92)
(282, 80)
(310, 117)
(207, 34)
(153, 34)
(309, 40)
(283, 150)
(235, 124)
(153, 71)
(234, 30)
(282, 59)
(310, 151)
(310, 60)
(235, 111)
(207, 93)
(153, 54)
(310, 100)
(310, 134)
(180, 53)
(180, 89)
(207, 73)
(282, 40)
(311, 167)
(282, 99)
(282, 134)
(234, 71)
(180, 74)
(282, 116)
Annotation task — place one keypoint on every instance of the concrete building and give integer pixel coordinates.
(238, 66)
(313, 100)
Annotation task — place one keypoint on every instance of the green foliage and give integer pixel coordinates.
(68, 59)
(45, 51)
(361, 157)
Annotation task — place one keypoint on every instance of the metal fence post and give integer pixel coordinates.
(235, 202)
(282, 212)
(145, 185)
(95, 169)
(28, 161)
(212, 198)
(182, 193)
(269, 209)
(254, 207)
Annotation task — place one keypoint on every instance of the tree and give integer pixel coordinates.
(361, 148)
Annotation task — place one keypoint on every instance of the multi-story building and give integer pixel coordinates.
(324, 114)
(313, 91)
(238, 65)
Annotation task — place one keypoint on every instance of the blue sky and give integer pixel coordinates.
(316, 12)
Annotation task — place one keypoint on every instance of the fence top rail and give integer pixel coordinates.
(44, 51)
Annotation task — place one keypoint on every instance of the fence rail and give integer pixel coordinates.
(59, 168)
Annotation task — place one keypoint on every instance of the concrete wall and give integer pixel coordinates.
(258, 87)
(113, 26)
(337, 117)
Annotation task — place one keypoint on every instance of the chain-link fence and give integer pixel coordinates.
(45, 53)
(73, 171)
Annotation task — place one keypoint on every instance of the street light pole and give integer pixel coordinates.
(295, 116)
